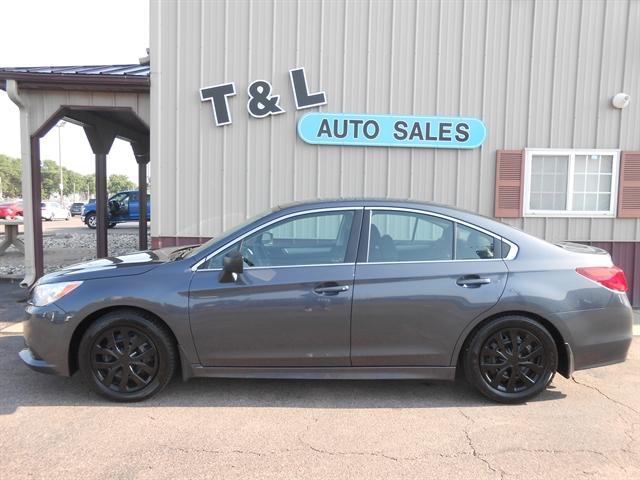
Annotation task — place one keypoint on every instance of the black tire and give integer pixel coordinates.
(491, 367)
(91, 221)
(111, 225)
(126, 341)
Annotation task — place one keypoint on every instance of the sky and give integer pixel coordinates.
(70, 32)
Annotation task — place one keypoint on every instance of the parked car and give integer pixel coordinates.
(54, 211)
(11, 210)
(123, 207)
(76, 208)
(360, 289)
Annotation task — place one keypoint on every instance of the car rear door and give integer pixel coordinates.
(292, 304)
(420, 279)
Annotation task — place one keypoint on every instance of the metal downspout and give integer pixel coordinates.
(25, 147)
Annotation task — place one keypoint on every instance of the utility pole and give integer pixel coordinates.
(61, 124)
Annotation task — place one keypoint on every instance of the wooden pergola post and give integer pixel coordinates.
(101, 139)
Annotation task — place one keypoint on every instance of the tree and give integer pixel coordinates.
(11, 177)
(119, 183)
(50, 173)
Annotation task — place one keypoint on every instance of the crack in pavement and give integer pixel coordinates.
(375, 453)
(475, 452)
(613, 400)
(214, 452)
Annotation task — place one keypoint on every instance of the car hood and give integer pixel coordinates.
(132, 264)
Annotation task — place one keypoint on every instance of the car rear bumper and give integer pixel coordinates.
(601, 336)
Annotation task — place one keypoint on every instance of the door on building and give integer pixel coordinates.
(292, 304)
(422, 280)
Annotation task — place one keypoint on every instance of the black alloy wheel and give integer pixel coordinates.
(127, 355)
(511, 359)
(124, 359)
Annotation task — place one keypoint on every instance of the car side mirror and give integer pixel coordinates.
(232, 265)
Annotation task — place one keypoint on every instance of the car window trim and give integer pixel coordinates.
(356, 209)
(512, 252)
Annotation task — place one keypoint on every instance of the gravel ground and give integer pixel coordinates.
(62, 249)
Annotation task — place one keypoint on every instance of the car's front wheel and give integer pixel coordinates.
(91, 220)
(511, 359)
(127, 356)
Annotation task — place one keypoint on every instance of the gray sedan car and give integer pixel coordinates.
(358, 289)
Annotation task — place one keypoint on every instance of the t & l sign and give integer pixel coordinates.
(261, 102)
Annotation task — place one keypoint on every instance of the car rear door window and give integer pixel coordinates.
(396, 236)
(472, 244)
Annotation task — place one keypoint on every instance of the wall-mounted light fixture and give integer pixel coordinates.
(620, 100)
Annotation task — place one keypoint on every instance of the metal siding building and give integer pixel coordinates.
(539, 74)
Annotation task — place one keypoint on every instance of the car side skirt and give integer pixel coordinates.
(325, 373)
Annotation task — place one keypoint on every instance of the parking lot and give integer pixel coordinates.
(588, 426)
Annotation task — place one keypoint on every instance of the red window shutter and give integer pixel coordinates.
(509, 183)
(629, 186)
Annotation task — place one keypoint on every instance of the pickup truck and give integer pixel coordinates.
(122, 207)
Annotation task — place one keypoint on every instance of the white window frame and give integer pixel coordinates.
(571, 153)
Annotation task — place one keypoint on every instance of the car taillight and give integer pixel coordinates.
(611, 277)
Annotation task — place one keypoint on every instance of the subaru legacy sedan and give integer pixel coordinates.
(357, 289)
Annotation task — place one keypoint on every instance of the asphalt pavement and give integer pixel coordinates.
(53, 427)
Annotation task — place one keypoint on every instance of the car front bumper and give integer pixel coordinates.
(35, 363)
(47, 335)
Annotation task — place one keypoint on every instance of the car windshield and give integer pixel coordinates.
(228, 232)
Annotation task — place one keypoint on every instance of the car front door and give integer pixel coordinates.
(420, 280)
(118, 207)
(292, 304)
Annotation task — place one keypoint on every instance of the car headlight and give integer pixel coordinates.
(50, 292)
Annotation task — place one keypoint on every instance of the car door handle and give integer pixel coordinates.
(330, 289)
(472, 281)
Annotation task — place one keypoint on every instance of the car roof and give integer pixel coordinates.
(381, 202)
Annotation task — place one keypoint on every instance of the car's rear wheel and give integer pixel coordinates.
(511, 359)
(126, 356)
(91, 220)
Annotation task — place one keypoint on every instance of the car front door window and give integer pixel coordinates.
(310, 239)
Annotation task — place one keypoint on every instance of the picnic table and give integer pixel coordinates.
(11, 235)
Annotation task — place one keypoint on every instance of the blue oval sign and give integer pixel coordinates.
(391, 130)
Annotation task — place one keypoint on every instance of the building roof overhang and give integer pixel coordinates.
(111, 78)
